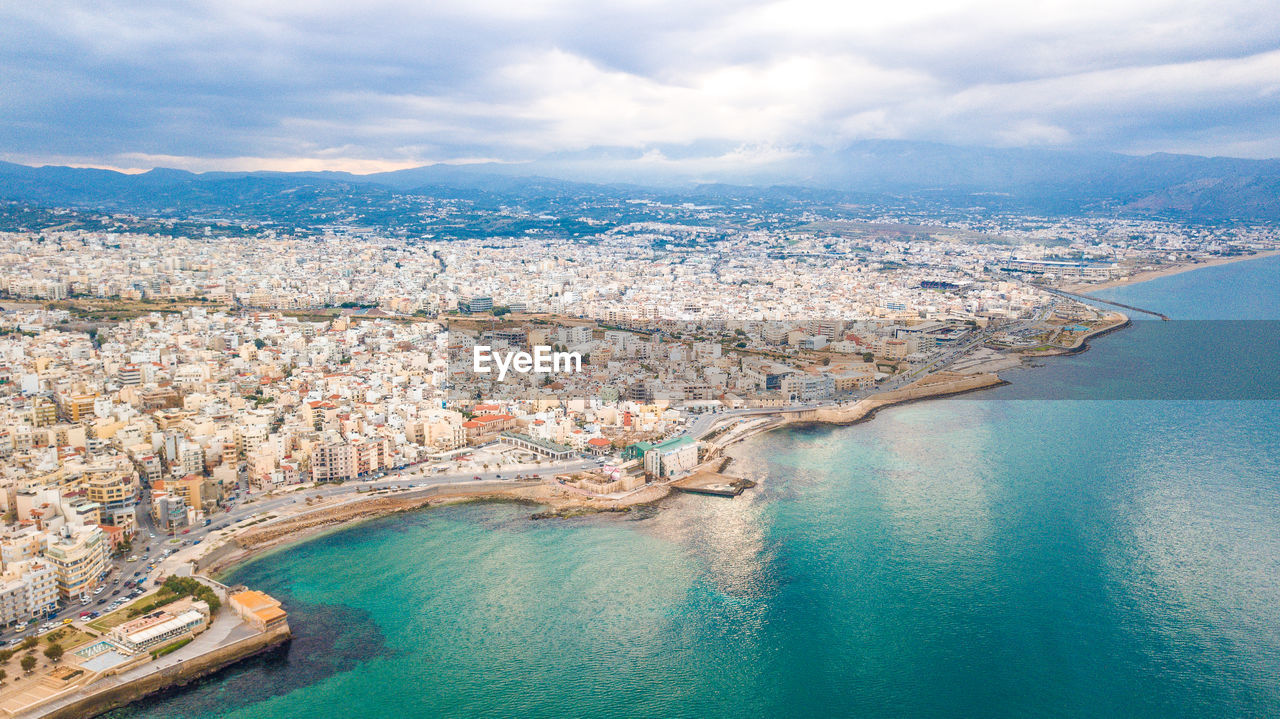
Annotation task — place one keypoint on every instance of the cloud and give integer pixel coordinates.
(382, 84)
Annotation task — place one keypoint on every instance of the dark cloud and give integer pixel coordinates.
(366, 85)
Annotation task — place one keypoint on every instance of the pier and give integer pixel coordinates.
(713, 484)
(1087, 298)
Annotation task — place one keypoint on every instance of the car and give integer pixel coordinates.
(476, 477)
(99, 590)
(115, 592)
(186, 531)
(67, 620)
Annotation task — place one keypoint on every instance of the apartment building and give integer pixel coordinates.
(78, 556)
(28, 590)
(333, 461)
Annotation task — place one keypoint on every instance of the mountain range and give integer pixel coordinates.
(1181, 187)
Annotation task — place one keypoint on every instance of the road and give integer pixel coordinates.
(151, 545)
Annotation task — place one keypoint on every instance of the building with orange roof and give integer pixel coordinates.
(259, 609)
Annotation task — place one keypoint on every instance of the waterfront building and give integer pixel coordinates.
(181, 618)
(672, 457)
(546, 448)
(333, 461)
(259, 609)
(79, 558)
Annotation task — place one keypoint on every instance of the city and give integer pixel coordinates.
(764, 358)
(161, 392)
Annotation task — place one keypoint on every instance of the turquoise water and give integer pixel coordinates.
(988, 556)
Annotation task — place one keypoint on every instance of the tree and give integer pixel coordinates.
(29, 643)
(3, 675)
(54, 653)
(28, 663)
(6, 655)
(259, 342)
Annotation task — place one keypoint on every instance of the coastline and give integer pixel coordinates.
(558, 501)
(1175, 269)
(555, 501)
(561, 502)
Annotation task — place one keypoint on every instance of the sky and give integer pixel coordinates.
(381, 84)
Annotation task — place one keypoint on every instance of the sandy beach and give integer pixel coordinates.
(1086, 287)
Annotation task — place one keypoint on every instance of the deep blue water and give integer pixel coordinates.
(1009, 554)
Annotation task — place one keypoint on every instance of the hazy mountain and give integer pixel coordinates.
(1048, 181)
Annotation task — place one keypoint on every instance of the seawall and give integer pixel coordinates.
(941, 385)
(111, 695)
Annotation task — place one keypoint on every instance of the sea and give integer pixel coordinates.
(1099, 538)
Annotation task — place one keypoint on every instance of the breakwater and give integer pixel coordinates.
(113, 693)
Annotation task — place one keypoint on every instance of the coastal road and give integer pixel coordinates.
(409, 478)
(150, 544)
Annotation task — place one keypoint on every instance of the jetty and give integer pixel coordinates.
(713, 484)
(1088, 298)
